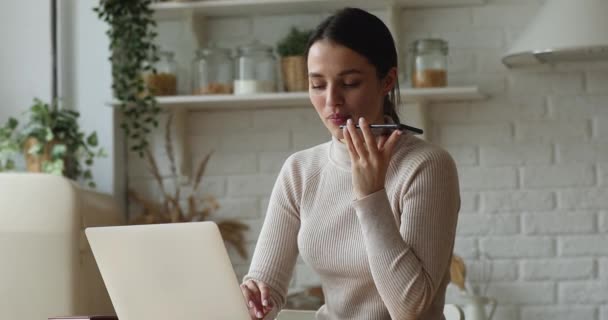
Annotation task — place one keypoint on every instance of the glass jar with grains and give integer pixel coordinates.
(428, 63)
(256, 69)
(213, 71)
(164, 81)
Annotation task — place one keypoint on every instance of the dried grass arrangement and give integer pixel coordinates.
(170, 210)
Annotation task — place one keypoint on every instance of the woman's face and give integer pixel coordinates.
(343, 85)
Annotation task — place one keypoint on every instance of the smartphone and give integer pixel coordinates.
(386, 129)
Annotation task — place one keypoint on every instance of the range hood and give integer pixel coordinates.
(563, 30)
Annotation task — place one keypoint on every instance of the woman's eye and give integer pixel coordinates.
(317, 86)
(351, 84)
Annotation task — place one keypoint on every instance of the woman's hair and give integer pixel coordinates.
(367, 35)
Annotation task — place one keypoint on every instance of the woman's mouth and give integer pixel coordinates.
(338, 119)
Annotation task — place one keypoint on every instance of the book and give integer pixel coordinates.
(95, 317)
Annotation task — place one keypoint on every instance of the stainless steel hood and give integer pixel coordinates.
(563, 30)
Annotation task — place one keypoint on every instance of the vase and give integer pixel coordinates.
(295, 76)
(476, 307)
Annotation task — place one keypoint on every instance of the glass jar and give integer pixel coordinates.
(213, 71)
(164, 81)
(428, 63)
(256, 69)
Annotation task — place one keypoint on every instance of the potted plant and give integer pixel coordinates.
(291, 48)
(51, 141)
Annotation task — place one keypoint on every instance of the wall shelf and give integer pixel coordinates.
(301, 99)
(414, 106)
(176, 9)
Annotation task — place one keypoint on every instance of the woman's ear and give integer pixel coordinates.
(389, 81)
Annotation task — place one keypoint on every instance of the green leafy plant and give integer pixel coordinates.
(9, 145)
(52, 142)
(133, 53)
(294, 43)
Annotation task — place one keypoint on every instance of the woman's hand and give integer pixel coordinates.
(257, 297)
(370, 157)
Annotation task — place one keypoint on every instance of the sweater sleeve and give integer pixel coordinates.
(409, 261)
(276, 250)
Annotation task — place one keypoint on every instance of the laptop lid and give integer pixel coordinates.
(178, 271)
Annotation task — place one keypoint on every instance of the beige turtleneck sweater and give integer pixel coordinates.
(385, 256)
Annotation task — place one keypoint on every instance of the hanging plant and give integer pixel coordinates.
(133, 53)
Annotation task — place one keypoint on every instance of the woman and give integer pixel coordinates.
(374, 216)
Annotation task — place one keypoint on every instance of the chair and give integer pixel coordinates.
(47, 267)
(450, 312)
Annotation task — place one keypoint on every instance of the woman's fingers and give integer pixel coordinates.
(356, 139)
(389, 145)
(254, 299)
(249, 298)
(349, 144)
(265, 295)
(368, 136)
(382, 141)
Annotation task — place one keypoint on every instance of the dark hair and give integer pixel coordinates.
(367, 35)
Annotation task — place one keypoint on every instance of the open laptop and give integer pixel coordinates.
(178, 271)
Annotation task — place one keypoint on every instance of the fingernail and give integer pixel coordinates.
(349, 121)
(265, 303)
(399, 132)
(250, 304)
(259, 314)
(360, 119)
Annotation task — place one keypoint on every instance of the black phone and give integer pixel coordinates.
(384, 129)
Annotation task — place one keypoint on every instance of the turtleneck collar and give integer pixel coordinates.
(338, 154)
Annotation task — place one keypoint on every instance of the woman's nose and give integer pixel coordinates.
(333, 96)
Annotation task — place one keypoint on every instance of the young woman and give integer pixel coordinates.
(374, 216)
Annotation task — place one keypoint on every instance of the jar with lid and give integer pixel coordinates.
(163, 82)
(428, 63)
(213, 71)
(256, 69)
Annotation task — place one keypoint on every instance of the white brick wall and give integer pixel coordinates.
(583, 292)
(583, 198)
(558, 313)
(603, 174)
(487, 178)
(515, 154)
(524, 293)
(483, 224)
(469, 201)
(570, 175)
(604, 222)
(589, 245)
(518, 247)
(558, 222)
(495, 201)
(557, 269)
(532, 159)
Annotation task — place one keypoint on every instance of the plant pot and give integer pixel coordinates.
(295, 75)
(33, 161)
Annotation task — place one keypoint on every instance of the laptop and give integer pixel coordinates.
(178, 271)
